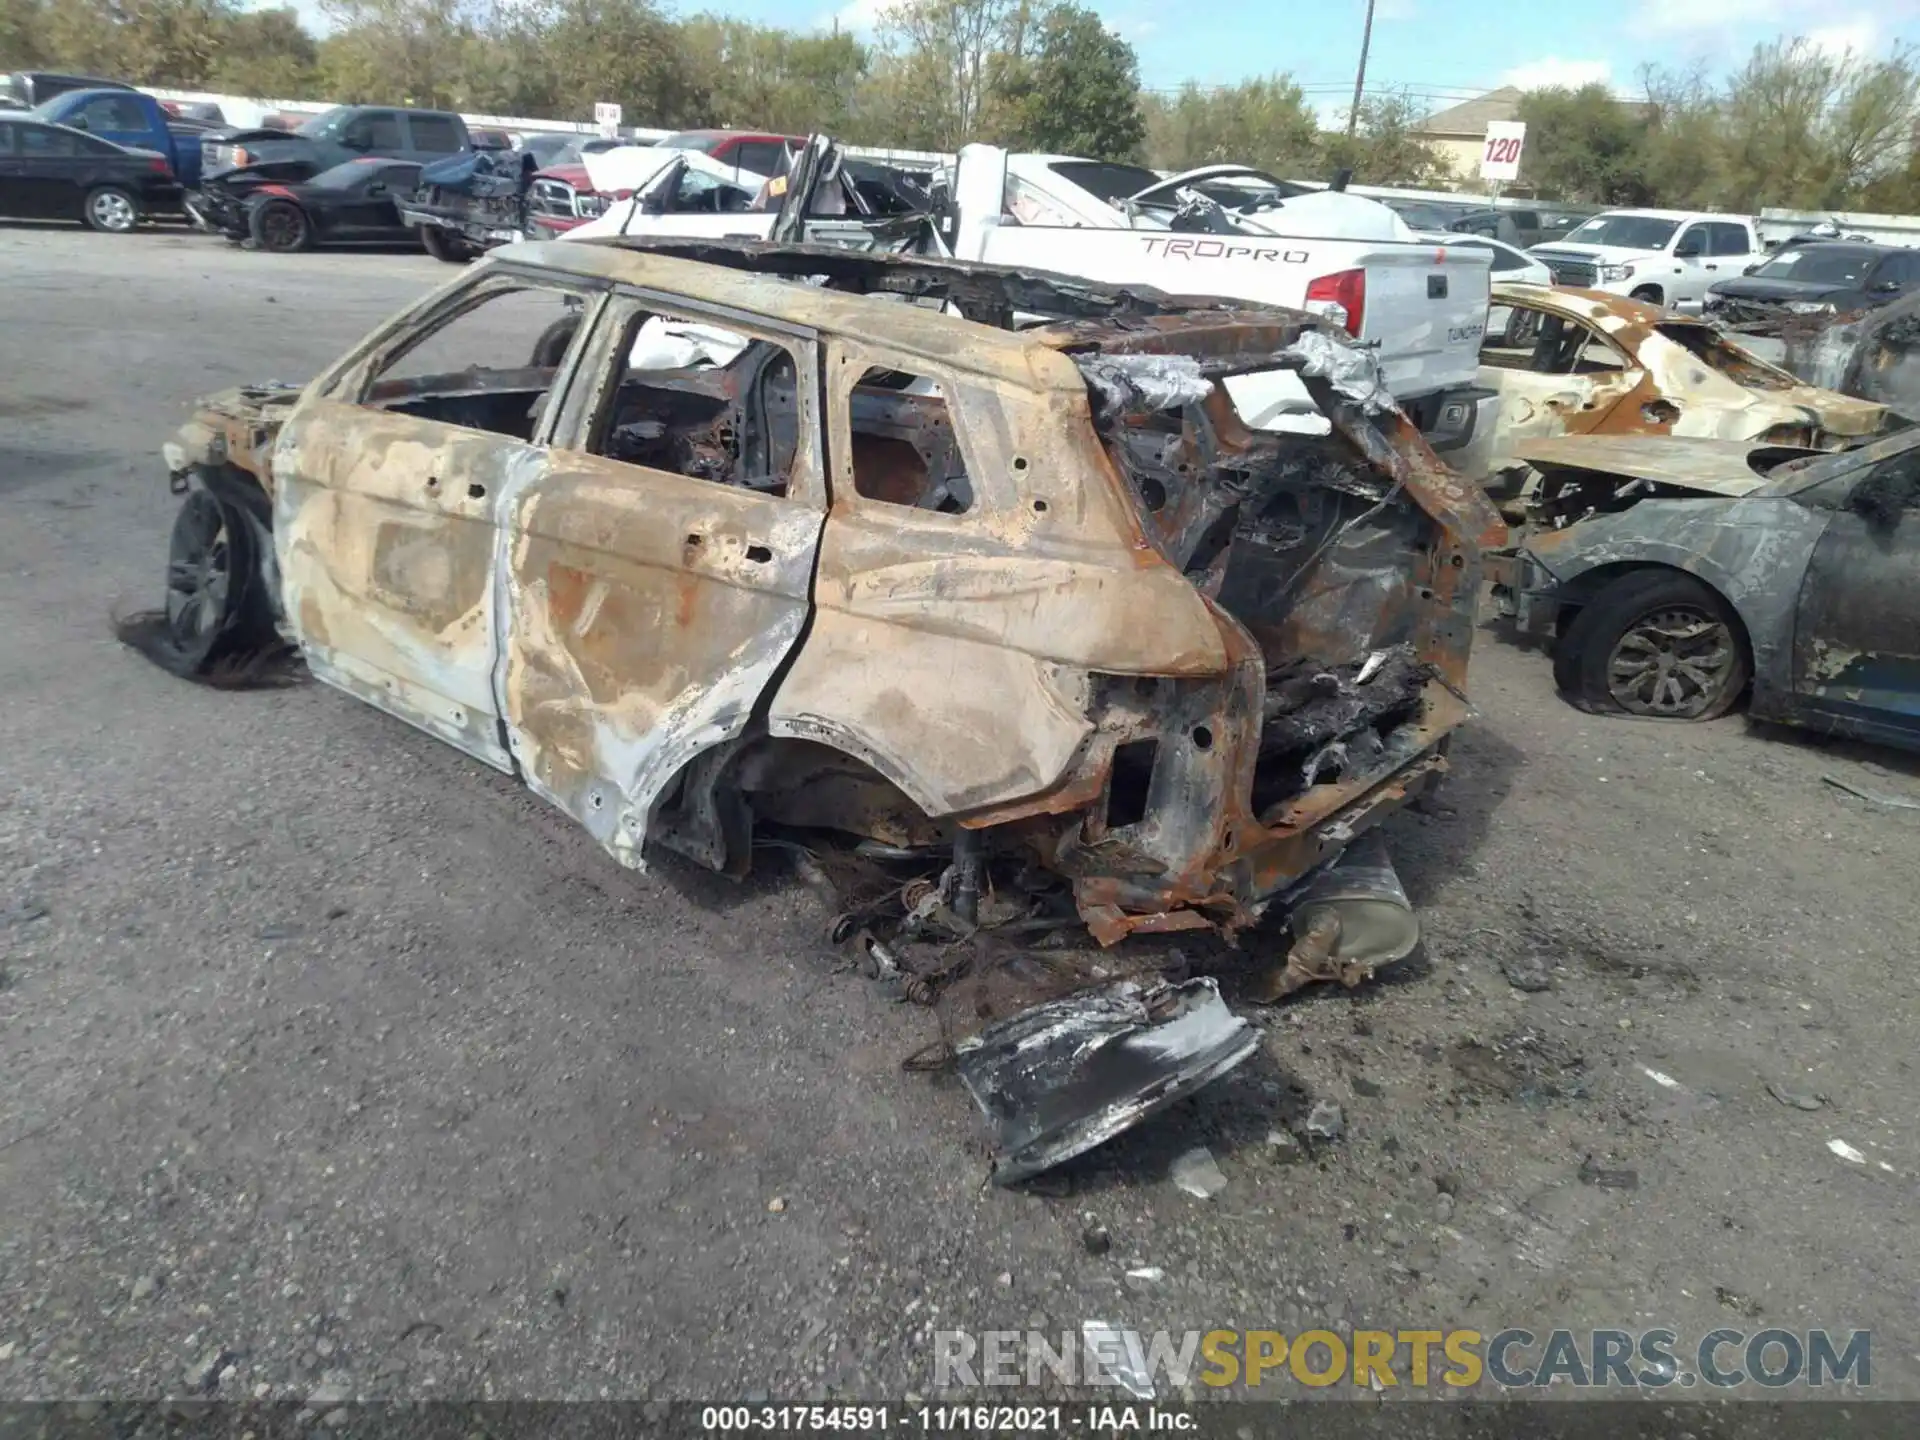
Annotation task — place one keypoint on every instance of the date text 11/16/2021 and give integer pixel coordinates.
(943, 1419)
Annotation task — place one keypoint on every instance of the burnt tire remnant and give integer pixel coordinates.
(216, 623)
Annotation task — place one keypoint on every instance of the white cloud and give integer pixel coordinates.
(1857, 26)
(1700, 17)
(1556, 70)
(1857, 35)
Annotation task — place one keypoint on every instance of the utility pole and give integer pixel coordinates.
(1360, 76)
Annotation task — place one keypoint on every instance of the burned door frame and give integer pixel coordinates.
(426, 544)
(643, 612)
(1856, 637)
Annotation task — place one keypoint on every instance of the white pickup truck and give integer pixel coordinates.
(1224, 231)
(1664, 257)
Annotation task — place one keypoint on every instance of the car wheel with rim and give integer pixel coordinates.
(1655, 643)
(111, 209)
(280, 226)
(443, 246)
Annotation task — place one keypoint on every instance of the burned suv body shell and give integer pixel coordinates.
(1178, 663)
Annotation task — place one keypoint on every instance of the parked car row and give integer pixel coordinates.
(1508, 360)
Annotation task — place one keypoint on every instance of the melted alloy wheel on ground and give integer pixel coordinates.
(199, 571)
(1671, 664)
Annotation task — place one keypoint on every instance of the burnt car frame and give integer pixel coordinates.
(924, 579)
(1582, 362)
(1676, 577)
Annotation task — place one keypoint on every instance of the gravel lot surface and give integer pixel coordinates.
(336, 1063)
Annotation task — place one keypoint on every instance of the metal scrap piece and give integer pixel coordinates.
(1353, 372)
(1062, 1077)
(1146, 382)
(1873, 797)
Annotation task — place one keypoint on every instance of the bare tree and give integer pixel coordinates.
(944, 55)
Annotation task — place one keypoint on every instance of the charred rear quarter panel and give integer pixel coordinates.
(952, 651)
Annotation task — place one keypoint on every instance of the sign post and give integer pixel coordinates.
(606, 115)
(1500, 155)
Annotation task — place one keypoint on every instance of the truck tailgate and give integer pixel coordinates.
(1252, 268)
(1426, 305)
(1427, 312)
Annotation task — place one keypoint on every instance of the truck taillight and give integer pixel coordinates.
(158, 164)
(1341, 298)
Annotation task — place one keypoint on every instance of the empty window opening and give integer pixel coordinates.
(1519, 338)
(490, 366)
(698, 400)
(904, 451)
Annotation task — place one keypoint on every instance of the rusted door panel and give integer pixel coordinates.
(644, 613)
(1856, 651)
(385, 538)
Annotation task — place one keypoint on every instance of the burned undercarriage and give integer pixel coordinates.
(1016, 599)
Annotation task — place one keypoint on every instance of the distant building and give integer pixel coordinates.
(1460, 131)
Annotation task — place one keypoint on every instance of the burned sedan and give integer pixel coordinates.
(1031, 599)
(1676, 577)
(1578, 362)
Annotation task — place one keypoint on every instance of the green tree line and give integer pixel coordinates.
(1795, 125)
(1030, 74)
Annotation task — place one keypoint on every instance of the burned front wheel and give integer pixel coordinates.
(215, 619)
(1654, 643)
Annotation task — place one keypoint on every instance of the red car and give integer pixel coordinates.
(563, 197)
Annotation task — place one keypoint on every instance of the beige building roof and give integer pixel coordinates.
(1470, 117)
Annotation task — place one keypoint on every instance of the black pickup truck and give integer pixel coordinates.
(333, 137)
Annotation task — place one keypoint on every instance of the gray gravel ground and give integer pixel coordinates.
(334, 1062)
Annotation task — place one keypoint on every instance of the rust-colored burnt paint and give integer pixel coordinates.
(384, 534)
(617, 622)
(645, 613)
(1671, 390)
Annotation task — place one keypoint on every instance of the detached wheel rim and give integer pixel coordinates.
(1672, 663)
(112, 211)
(280, 228)
(199, 572)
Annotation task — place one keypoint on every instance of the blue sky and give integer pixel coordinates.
(1442, 51)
